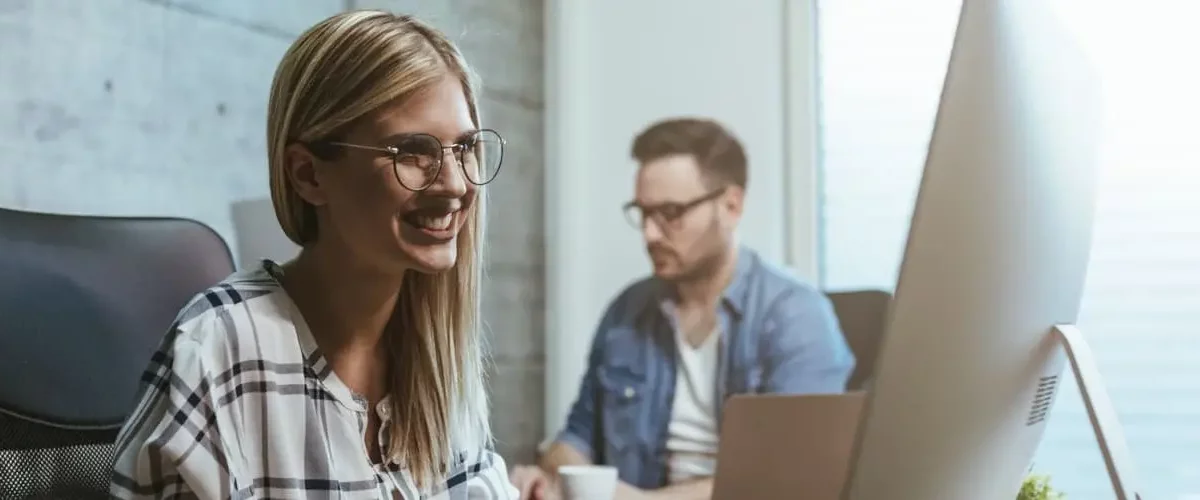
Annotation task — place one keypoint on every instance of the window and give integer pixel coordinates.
(881, 65)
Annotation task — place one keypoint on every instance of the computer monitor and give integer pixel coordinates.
(996, 257)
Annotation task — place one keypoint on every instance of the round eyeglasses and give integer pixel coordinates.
(417, 159)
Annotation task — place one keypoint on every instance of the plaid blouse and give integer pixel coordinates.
(238, 403)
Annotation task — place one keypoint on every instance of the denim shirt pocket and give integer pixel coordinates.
(622, 394)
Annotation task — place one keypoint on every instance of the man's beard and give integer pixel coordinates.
(705, 268)
(710, 260)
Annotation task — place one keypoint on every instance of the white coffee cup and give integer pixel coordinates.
(588, 482)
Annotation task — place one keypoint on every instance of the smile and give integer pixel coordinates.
(437, 223)
(431, 227)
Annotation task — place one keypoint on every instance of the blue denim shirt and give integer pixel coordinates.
(779, 336)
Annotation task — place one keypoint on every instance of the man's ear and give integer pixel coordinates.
(735, 200)
(300, 166)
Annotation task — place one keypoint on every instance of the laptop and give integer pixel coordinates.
(786, 446)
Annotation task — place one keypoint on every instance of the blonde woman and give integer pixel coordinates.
(355, 370)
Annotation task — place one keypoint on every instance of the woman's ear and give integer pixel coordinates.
(300, 166)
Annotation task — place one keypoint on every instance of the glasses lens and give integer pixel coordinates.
(633, 214)
(417, 161)
(482, 156)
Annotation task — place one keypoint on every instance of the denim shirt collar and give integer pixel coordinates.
(734, 296)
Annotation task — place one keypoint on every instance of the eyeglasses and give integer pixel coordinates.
(667, 213)
(417, 158)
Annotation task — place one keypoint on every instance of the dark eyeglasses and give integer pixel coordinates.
(417, 158)
(666, 213)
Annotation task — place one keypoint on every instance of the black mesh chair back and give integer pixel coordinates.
(84, 302)
(863, 316)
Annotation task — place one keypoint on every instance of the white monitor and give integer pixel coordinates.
(996, 257)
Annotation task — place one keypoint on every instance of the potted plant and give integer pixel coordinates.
(1037, 487)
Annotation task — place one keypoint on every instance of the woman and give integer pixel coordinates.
(355, 370)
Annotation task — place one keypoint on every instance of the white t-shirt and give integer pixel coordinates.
(692, 434)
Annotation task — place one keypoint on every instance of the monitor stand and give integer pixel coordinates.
(1100, 411)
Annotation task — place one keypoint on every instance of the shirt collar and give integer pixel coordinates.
(313, 359)
(734, 295)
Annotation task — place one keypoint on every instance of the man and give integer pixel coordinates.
(713, 321)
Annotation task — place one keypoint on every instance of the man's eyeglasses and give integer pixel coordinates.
(666, 213)
(417, 158)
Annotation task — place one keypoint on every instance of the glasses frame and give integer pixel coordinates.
(662, 219)
(457, 149)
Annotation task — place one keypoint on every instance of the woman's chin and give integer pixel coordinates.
(433, 258)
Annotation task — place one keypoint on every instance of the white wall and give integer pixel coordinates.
(613, 67)
(258, 234)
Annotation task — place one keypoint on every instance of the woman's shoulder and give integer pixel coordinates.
(238, 315)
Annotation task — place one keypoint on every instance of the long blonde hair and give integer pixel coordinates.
(336, 73)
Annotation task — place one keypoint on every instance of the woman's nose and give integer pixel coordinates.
(451, 180)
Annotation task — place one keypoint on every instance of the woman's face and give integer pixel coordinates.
(361, 204)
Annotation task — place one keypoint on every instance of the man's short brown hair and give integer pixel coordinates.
(720, 156)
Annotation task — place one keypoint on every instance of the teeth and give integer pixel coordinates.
(435, 223)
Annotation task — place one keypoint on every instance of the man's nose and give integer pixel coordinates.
(651, 232)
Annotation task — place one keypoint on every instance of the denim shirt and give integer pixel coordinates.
(779, 335)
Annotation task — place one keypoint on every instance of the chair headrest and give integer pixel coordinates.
(84, 303)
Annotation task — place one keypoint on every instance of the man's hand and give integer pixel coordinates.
(533, 483)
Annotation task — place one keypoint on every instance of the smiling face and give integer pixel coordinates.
(361, 206)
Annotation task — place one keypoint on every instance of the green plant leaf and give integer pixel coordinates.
(1037, 487)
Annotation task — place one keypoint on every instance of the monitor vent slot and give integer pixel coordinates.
(1042, 400)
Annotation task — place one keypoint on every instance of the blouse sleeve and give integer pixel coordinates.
(172, 445)
(491, 481)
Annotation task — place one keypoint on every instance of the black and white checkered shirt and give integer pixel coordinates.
(238, 403)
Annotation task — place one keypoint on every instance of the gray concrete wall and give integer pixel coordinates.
(157, 107)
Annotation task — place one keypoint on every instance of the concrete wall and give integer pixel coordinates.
(157, 107)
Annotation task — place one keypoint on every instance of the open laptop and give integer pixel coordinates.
(785, 446)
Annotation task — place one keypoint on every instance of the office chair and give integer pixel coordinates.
(84, 302)
(863, 316)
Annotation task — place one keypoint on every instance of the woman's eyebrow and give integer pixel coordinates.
(393, 139)
(466, 134)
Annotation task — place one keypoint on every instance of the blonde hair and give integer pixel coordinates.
(336, 73)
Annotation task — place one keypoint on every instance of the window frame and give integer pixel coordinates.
(802, 200)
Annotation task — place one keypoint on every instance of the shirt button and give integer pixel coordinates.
(629, 392)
